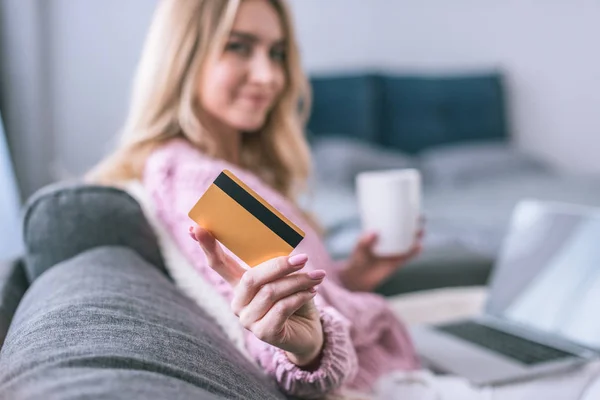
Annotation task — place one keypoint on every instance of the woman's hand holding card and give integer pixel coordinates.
(273, 300)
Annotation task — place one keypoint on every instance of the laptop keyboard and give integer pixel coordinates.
(523, 350)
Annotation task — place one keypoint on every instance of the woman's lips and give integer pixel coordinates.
(257, 101)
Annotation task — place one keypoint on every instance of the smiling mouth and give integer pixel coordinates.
(256, 101)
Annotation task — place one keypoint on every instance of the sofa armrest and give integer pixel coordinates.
(13, 284)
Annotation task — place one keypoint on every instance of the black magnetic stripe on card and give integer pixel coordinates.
(256, 208)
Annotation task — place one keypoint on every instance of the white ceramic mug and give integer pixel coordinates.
(390, 205)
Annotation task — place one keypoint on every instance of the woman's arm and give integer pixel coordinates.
(305, 348)
(307, 367)
(364, 270)
(337, 363)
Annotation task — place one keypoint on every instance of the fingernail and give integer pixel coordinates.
(297, 260)
(312, 290)
(318, 274)
(192, 233)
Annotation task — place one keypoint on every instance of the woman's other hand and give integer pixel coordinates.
(273, 300)
(365, 270)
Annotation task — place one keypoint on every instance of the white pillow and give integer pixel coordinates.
(338, 159)
(465, 163)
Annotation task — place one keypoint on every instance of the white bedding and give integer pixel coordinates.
(474, 216)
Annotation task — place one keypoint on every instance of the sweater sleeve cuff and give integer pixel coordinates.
(338, 363)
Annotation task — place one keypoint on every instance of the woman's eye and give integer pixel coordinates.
(239, 48)
(278, 55)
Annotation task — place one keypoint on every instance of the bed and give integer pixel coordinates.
(454, 130)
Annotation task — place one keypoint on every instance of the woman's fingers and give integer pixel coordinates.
(364, 247)
(271, 327)
(400, 259)
(269, 294)
(254, 278)
(367, 241)
(218, 260)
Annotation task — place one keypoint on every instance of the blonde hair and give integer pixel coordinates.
(182, 36)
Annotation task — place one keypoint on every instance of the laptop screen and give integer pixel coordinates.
(548, 274)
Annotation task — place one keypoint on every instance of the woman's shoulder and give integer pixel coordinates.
(179, 159)
(176, 163)
(175, 155)
(174, 150)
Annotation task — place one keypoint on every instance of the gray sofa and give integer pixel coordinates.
(89, 312)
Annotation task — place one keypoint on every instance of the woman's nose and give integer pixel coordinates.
(263, 70)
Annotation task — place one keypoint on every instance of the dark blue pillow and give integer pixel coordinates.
(348, 104)
(423, 112)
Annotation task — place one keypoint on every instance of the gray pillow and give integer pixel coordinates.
(62, 220)
(466, 163)
(338, 159)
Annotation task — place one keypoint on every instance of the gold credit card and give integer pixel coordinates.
(244, 222)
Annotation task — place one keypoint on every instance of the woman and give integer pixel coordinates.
(220, 86)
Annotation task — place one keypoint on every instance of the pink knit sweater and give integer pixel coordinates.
(363, 338)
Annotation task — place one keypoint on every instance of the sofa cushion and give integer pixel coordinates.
(62, 220)
(105, 324)
(440, 267)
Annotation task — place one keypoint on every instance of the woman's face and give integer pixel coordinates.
(239, 88)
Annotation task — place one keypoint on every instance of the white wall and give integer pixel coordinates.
(68, 66)
(95, 46)
(67, 72)
(336, 35)
(548, 48)
(23, 90)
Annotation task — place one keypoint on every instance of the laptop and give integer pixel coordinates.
(542, 314)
